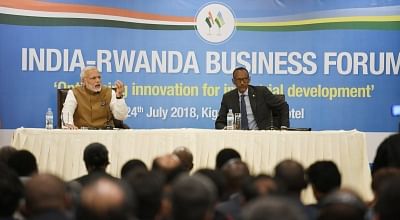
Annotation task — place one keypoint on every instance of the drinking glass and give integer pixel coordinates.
(237, 121)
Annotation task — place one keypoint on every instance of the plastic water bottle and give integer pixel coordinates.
(49, 119)
(230, 120)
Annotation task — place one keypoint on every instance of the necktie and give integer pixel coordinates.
(243, 113)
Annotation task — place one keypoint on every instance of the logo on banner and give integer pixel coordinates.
(215, 23)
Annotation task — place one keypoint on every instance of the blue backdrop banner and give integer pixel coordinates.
(337, 62)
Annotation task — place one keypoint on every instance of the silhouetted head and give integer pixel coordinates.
(290, 176)
(342, 204)
(387, 206)
(185, 156)
(224, 156)
(193, 198)
(6, 152)
(169, 165)
(273, 208)
(105, 199)
(324, 177)
(95, 157)
(23, 163)
(132, 165)
(45, 192)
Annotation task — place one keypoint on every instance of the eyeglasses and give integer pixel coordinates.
(242, 79)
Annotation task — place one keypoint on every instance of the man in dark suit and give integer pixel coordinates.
(259, 102)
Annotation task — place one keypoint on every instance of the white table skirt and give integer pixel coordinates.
(61, 151)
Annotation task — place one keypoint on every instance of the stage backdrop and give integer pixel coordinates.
(337, 62)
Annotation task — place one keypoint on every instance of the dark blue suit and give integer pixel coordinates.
(262, 103)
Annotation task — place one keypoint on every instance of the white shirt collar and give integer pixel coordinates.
(246, 93)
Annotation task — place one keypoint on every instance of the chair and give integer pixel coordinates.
(62, 94)
(275, 116)
(276, 119)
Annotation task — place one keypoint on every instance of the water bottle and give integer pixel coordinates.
(49, 119)
(230, 120)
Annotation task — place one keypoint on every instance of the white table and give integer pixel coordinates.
(61, 151)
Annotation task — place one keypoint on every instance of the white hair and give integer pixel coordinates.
(85, 70)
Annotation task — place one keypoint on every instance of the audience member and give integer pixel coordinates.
(23, 163)
(169, 165)
(193, 198)
(272, 208)
(148, 189)
(46, 198)
(291, 180)
(324, 177)
(380, 178)
(388, 153)
(132, 165)
(217, 177)
(11, 192)
(387, 206)
(265, 184)
(224, 156)
(236, 173)
(6, 152)
(96, 161)
(105, 199)
(342, 204)
(185, 156)
(290, 176)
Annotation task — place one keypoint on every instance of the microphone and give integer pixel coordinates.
(109, 125)
(271, 125)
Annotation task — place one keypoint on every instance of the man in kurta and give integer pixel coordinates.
(93, 105)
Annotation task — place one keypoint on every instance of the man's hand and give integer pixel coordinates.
(119, 86)
(70, 126)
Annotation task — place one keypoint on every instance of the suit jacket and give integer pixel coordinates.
(262, 103)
